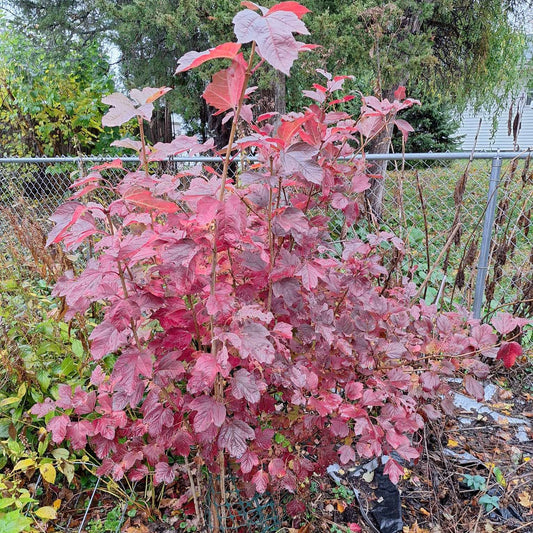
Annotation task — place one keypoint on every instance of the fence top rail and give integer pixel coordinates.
(197, 159)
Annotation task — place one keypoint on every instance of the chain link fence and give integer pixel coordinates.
(465, 219)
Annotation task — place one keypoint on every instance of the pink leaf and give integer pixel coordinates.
(65, 217)
(244, 385)
(195, 59)
(42, 409)
(208, 412)
(508, 353)
(247, 461)
(404, 127)
(273, 35)
(505, 323)
(203, 374)
(129, 366)
(164, 473)
(106, 339)
(58, 427)
(299, 159)
(122, 110)
(353, 390)
(233, 436)
(474, 387)
(346, 454)
(254, 343)
(393, 470)
(276, 468)
(260, 480)
(145, 200)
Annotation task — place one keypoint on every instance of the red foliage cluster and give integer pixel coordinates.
(237, 322)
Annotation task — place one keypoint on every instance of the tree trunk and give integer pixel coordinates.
(374, 196)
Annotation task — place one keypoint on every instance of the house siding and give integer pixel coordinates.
(499, 139)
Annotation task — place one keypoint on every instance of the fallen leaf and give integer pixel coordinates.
(452, 443)
(524, 499)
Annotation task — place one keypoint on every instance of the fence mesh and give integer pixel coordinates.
(429, 200)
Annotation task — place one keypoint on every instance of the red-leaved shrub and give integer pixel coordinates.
(246, 331)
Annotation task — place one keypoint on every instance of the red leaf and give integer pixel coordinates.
(233, 436)
(393, 470)
(299, 158)
(106, 339)
(129, 366)
(181, 443)
(195, 59)
(244, 385)
(164, 473)
(474, 387)
(260, 480)
(353, 390)
(296, 508)
(224, 92)
(145, 200)
(58, 427)
(203, 374)
(294, 7)
(247, 461)
(346, 454)
(208, 412)
(508, 353)
(404, 127)
(65, 217)
(505, 323)
(116, 163)
(291, 220)
(272, 34)
(276, 468)
(399, 93)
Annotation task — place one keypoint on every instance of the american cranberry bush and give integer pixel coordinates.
(245, 333)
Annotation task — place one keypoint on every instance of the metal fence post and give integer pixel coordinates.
(486, 239)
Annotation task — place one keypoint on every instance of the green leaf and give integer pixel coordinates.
(14, 522)
(500, 478)
(60, 453)
(489, 502)
(67, 366)
(43, 378)
(77, 348)
(6, 502)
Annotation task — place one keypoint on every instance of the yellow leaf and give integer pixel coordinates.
(57, 504)
(452, 443)
(9, 401)
(24, 464)
(48, 472)
(46, 513)
(525, 500)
